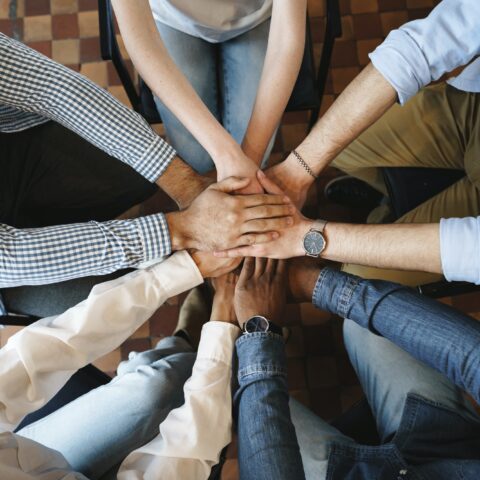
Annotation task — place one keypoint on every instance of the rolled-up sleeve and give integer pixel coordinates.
(422, 51)
(460, 249)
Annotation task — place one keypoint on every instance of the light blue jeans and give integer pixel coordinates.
(98, 430)
(387, 373)
(225, 76)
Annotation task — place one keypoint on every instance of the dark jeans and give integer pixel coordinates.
(51, 176)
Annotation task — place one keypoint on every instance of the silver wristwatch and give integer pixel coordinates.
(314, 242)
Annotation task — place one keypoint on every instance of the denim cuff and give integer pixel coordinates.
(350, 296)
(261, 354)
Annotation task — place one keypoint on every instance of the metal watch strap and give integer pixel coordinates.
(318, 226)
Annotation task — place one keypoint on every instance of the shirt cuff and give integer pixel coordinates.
(156, 159)
(401, 62)
(460, 249)
(217, 342)
(261, 354)
(183, 269)
(155, 237)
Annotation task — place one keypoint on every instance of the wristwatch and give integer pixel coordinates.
(257, 323)
(314, 242)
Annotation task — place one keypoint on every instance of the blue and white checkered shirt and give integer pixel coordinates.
(33, 90)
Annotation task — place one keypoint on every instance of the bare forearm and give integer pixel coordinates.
(182, 183)
(403, 247)
(361, 104)
(156, 67)
(284, 55)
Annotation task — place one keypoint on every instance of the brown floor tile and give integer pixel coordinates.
(363, 6)
(302, 396)
(164, 321)
(66, 51)
(42, 47)
(65, 26)
(295, 346)
(367, 25)
(386, 5)
(90, 51)
(326, 402)
(392, 20)
(4, 10)
(467, 303)
(135, 345)
(87, 5)
(319, 340)
(344, 54)
(37, 7)
(88, 22)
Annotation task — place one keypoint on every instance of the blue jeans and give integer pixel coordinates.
(431, 332)
(267, 445)
(225, 76)
(97, 431)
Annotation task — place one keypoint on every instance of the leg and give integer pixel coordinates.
(426, 132)
(97, 431)
(459, 200)
(387, 374)
(314, 436)
(242, 60)
(197, 59)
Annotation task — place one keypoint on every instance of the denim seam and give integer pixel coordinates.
(346, 295)
(260, 370)
(319, 284)
(266, 335)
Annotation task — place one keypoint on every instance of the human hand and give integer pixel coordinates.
(302, 277)
(222, 307)
(211, 266)
(219, 220)
(292, 179)
(287, 245)
(239, 165)
(261, 289)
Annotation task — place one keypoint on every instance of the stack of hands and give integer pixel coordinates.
(242, 217)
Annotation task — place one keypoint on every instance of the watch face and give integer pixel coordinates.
(256, 324)
(314, 243)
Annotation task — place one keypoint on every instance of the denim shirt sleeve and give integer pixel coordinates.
(430, 331)
(460, 249)
(267, 443)
(423, 50)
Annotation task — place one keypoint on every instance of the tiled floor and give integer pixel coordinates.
(319, 372)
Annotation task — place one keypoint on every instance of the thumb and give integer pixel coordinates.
(231, 184)
(268, 185)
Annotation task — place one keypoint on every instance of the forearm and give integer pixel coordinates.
(395, 246)
(192, 436)
(54, 254)
(182, 183)
(283, 58)
(430, 331)
(263, 390)
(157, 68)
(38, 360)
(26, 84)
(361, 104)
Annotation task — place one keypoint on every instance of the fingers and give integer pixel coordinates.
(281, 268)
(266, 225)
(271, 267)
(268, 185)
(269, 211)
(256, 239)
(264, 199)
(260, 264)
(251, 251)
(247, 271)
(231, 184)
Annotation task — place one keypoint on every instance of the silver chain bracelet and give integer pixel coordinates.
(303, 163)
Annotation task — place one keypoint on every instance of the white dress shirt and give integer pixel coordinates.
(38, 361)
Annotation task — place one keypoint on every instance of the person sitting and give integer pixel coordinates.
(414, 357)
(74, 158)
(435, 128)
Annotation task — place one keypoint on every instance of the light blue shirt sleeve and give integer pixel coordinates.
(460, 249)
(423, 50)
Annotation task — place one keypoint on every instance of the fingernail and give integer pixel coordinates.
(275, 235)
(286, 199)
(290, 221)
(261, 174)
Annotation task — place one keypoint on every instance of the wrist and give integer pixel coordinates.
(299, 176)
(225, 153)
(302, 228)
(179, 238)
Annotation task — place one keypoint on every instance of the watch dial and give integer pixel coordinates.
(256, 324)
(314, 243)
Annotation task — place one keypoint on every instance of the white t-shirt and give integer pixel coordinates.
(213, 20)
